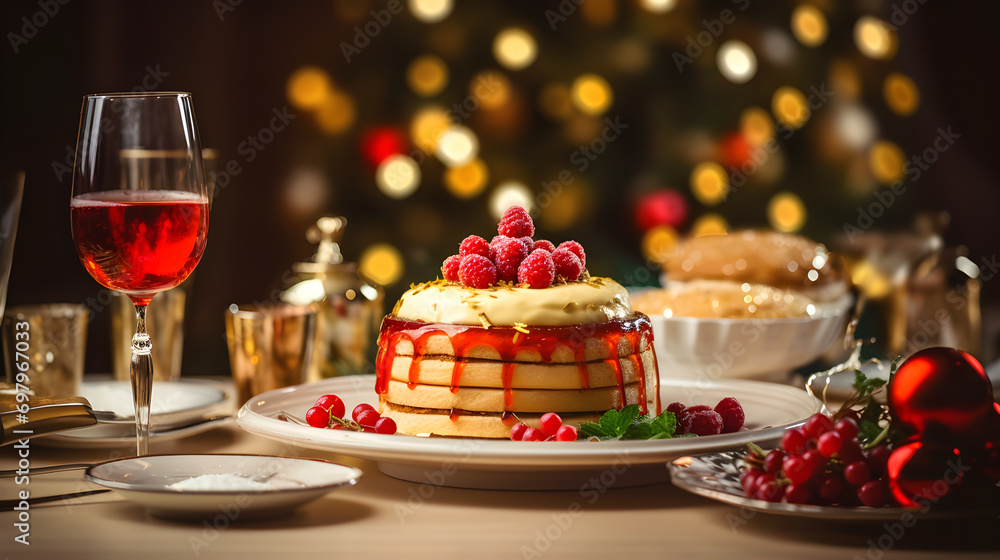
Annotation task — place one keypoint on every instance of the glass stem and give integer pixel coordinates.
(141, 373)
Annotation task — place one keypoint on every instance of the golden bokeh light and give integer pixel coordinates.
(901, 94)
(599, 13)
(845, 80)
(491, 88)
(510, 193)
(786, 212)
(336, 114)
(709, 183)
(659, 243)
(736, 61)
(564, 209)
(427, 127)
(658, 6)
(381, 263)
(398, 176)
(790, 107)
(466, 181)
(875, 38)
(872, 281)
(515, 48)
(591, 94)
(556, 102)
(709, 224)
(809, 25)
(308, 87)
(427, 75)
(756, 126)
(887, 161)
(457, 146)
(431, 11)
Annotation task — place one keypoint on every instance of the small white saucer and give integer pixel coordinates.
(148, 481)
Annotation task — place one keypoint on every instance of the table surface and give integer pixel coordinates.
(382, 517)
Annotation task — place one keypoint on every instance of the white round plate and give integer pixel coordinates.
(173, 402)
(502, 464)
(147, 481)
(717, 476)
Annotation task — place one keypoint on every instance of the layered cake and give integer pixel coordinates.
(512, 332)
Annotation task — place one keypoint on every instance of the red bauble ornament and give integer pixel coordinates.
(662, 207)
(922, 473)
(379, 143)
(942, 389)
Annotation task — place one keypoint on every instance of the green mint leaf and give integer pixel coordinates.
(639, 430)
(590, 429)
(664, 425)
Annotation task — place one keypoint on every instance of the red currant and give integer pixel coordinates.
(793, 441)
(359, 409)
(850, 452)
(857, 473)
(533, 434)
(818, 424)
(796, 469)
(872, 493)
(772, 463)
(847, 428)
(367, 418)
(814, 459)
(551, 422)
(517, 432)
(831, 487)
(318, 417)
(829, 443)
(331, 403)
(797, 493)
(385, 426)
(566, 433)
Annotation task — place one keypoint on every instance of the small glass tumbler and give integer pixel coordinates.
(52, 339)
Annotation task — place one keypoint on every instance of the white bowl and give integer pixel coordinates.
(763, 349)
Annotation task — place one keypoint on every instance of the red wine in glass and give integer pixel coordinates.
(139, 242)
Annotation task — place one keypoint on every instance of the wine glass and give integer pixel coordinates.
(139, 211)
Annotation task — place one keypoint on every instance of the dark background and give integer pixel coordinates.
(237, 69)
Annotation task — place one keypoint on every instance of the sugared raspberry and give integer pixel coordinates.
(732, 414)
(544, 244)
(568, 265)
(537, 270)
(529, 243)
(477, 271)
(702, 423)
(474, 245)
(677, 408)
(577, 250)
(516, 223)
(450, 268)
(507, 253)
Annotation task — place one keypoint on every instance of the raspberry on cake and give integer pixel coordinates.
(476, 355)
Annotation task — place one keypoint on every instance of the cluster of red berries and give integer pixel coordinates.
(552, 429)
(328, 412)
(702, 420)
(513, 256)
(820, 463)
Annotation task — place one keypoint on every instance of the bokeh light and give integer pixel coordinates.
(457, 146)
(886, 160)
(875, 38)
(756, 126)
(809, 25)
(736, 61)
(308, 88)
(427, 75)
(777, 46)
(790, 107)
(591, 94)
(555, 101)
(786, 212)
(515, 48)
(659, 242)
(709, 224)
(710, 183)
(305, 190)
(466, 181)
(381, 263)
(564, 210)
(901, 94)
(427, 127)
(379, 143)
(431, 11)
(872, 281)
(398, 176)
(336, 114)
(510, 193)
(491, 88)
(658, 6)
(599, 13)
(855, 125)
(845, 80)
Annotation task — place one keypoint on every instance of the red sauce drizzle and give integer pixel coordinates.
(508, 343)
